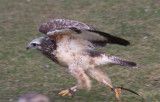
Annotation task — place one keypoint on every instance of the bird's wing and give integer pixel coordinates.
(62, 23)
(80, 30)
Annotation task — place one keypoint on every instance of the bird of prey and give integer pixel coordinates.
(72, 44)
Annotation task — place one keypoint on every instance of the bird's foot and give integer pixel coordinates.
(68, 92)
(117, 90)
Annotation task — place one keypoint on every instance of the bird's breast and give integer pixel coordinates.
(68, 48)
(64, 58)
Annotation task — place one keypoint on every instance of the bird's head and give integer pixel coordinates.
(43, 44)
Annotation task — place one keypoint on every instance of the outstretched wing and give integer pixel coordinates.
(80, 30)
(62, 23)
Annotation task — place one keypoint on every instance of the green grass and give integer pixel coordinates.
(23, 71)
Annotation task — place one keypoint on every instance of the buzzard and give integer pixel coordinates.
(72, 44)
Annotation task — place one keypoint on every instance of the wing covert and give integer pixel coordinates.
(98, 38)
(80, 30)
(62, 23)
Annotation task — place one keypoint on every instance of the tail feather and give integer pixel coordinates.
(123, 62)
(106, 59)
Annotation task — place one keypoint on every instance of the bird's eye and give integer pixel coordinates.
(34, 44)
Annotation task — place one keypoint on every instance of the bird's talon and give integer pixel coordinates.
(117, 90)
(66, 92)
(69, 94)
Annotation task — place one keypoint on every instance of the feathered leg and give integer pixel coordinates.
(101, 77)
(98, 75)
(82, 81)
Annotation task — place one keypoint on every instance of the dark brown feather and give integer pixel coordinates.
(81, 28)
(112, 39)
(123, 62)
(62, 23)
(49, 46)
(94, 53)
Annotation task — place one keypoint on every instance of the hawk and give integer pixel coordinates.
(72, 44)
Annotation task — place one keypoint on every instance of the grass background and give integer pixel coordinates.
(24, 71)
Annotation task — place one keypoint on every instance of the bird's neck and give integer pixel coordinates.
(50, 56)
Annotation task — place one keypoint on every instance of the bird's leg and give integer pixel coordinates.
(115, 89)
(82, 81)
(68, 92)
(101, 77)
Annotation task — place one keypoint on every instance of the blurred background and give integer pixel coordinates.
(23, 71)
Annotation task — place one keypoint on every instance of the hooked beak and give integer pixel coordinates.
(27, 47)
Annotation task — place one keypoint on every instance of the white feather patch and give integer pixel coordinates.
(87, 35)
(84, 34)
(37, 41)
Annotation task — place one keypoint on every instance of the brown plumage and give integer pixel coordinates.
(99, 38)
(62, 23)
(71, 44)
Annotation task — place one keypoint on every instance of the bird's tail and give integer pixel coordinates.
(106, 59)
(122, 62)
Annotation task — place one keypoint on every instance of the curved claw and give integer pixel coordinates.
(65, 92)
(68, 92)
(117, 90)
